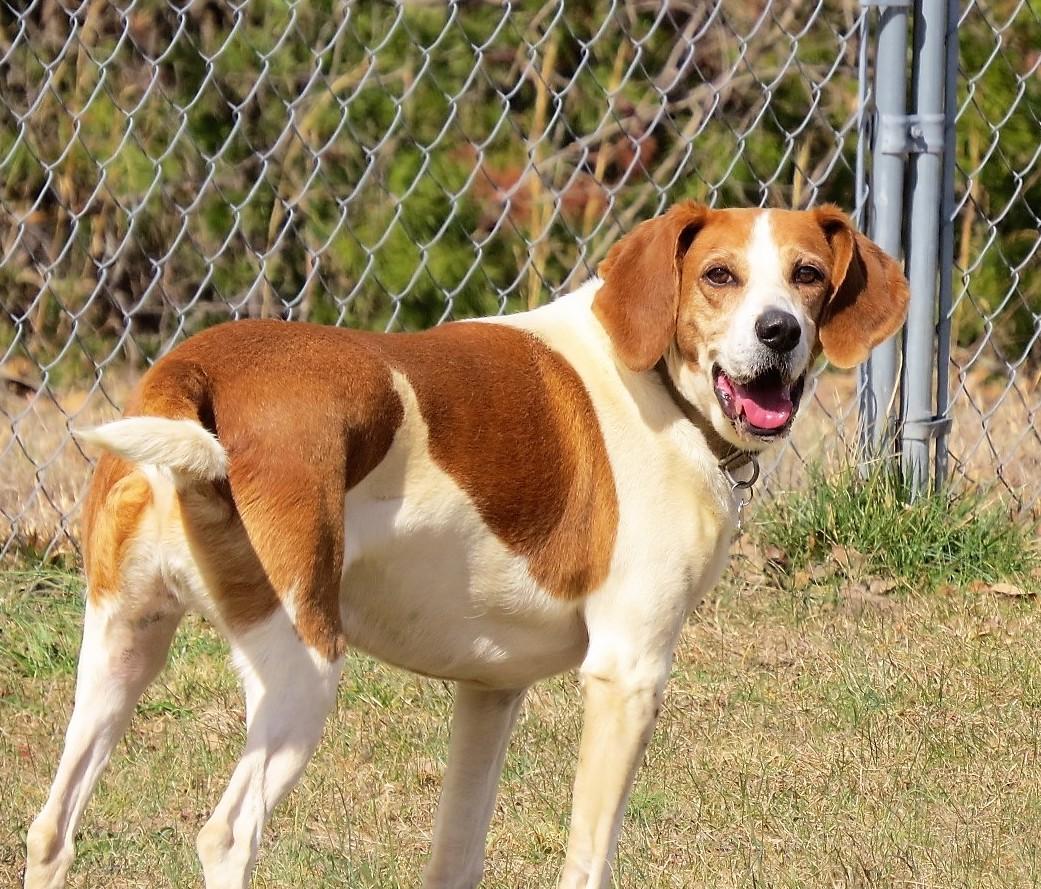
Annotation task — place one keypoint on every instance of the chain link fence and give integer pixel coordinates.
(165, 166)
(993, 315)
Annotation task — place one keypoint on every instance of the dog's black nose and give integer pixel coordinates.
(778, 329)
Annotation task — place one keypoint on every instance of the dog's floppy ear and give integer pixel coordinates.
(869, 295)
(639, 299)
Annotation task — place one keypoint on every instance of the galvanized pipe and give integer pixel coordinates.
(887, 189)
(925, 193)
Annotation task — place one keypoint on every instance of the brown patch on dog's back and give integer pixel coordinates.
(511, 422)
(306, 412)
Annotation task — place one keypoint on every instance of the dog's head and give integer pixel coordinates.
(740, 302)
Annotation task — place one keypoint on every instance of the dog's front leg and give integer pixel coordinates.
(619, 721)
(481, 725)
(623, 678)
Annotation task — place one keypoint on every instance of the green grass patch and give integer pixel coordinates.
(941, 538)
(40, 616)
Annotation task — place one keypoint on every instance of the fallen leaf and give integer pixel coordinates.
(776, 559)
(848, 558)
(1010, 589)
(760, 559)
(879, 586)
(861, 594)
(822, 571)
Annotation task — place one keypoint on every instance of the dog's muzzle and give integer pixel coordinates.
(763, 405)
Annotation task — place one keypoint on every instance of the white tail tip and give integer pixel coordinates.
(182, 446)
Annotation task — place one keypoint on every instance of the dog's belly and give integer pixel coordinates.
(428, 587)
(437, 603)
(431, 608)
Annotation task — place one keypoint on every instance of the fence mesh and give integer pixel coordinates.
(164, 166)
(995, 396)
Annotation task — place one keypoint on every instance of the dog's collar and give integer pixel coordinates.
(729, 458)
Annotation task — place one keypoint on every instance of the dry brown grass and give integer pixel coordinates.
(814, 734)
(43, 473)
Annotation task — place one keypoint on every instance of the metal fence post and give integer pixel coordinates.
(887, 188)
(925, 144)
(947, 218)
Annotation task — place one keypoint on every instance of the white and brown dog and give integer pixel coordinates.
(490, 502)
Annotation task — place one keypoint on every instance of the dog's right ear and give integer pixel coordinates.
(639, 299)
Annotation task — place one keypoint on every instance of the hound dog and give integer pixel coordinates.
(490, 502)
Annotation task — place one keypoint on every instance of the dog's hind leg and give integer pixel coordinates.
(289, 690)
(481, 726)
(125, 643)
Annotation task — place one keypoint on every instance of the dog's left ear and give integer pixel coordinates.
(639, 299)
(869, 295)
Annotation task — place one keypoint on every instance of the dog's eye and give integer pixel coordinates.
(808, 274)
(719, 275)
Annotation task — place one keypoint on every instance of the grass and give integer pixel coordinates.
(830, 722)
(874, 520)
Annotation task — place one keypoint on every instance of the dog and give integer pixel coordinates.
(489, 502)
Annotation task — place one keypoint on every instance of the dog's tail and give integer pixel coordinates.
(184, 447)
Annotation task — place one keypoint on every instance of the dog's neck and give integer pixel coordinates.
(728, 456)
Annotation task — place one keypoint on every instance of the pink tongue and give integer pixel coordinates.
(765, 408)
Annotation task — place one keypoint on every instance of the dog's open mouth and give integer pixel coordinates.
(763, 405)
